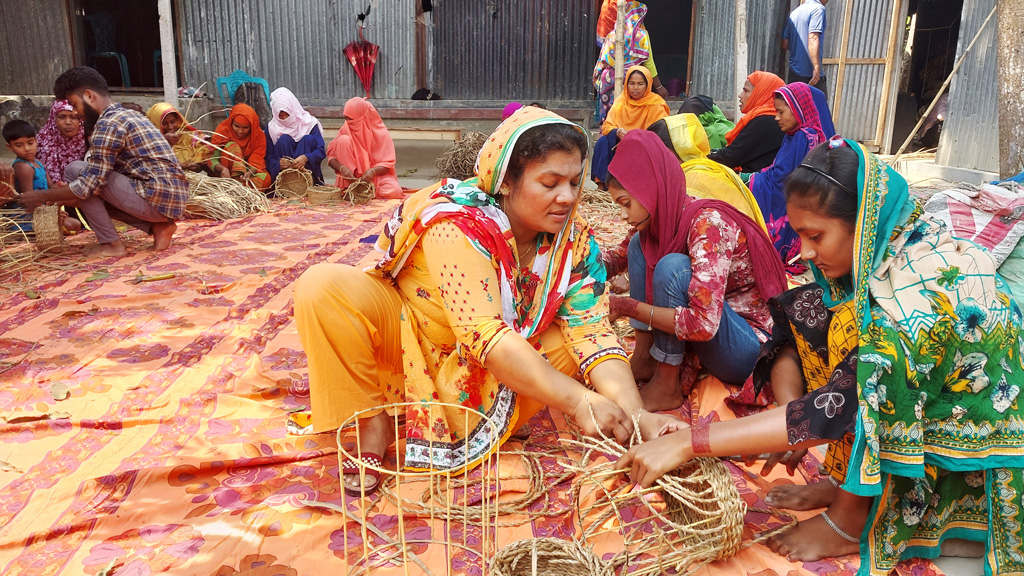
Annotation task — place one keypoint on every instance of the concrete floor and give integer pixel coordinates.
(961, 566)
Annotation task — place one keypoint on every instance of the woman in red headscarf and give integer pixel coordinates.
(701, 273)
(363, 150)
(756, 138)
(241, 148)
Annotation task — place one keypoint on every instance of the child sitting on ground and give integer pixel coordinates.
(29, 173)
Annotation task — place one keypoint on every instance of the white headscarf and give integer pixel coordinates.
(299, 123)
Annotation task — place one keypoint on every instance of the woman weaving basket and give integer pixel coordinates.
(188, 144)
(906, 356)
(241, 149)
(295, 138)
(363, 150)
(490, 295)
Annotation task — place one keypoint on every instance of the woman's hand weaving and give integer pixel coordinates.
(598, 416)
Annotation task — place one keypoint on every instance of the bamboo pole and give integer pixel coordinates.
(942, 89)
(620, 53)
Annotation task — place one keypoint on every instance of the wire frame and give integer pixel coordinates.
(476, 508)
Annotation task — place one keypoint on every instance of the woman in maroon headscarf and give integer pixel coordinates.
(700, 271)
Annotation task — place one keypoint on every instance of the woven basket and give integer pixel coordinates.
(293, 183)
(324, 195)
(46, 225)
(359, 192)
(552, 556)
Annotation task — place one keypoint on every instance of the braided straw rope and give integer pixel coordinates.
(548, 556)
(222, 198)
(293, 182)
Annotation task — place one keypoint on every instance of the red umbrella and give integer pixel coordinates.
(363, 56)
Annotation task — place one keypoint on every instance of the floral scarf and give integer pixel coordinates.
(56, 151)
(471, 205)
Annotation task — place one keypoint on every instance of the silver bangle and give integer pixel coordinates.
(650, 323)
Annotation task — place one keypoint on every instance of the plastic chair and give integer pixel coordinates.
(104, 32)
(233, 81)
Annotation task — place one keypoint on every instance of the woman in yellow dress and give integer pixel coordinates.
(490, 295)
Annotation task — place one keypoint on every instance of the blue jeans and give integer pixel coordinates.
(729, 356)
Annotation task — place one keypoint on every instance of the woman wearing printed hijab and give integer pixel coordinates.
(363, 150)
(701, 273)
(61, 141)
(797, 116)
(490, 295)
(189, 146)
(685, 137)
(636, 109)
(906, 351)
(294, 137)
(755, 140)
(240, 149)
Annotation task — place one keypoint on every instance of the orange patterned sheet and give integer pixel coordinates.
(171, 451)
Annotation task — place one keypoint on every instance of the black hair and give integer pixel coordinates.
(79, 79)
(832, 200)
(536, 143)
(660, 128)
(15, 129)
(537, 105)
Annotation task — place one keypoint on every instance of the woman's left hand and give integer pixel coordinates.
(300, 162)
(654, 425)
(651, 460)
(619, 306)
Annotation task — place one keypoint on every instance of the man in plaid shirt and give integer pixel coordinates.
(130, 172)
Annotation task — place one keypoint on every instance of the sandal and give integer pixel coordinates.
(352, 467)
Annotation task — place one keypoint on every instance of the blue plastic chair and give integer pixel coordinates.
(233, 81)
(104, 31)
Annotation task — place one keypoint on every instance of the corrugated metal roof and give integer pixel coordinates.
(298, 44)
(970, 132)
(35, 47)
(514, 50)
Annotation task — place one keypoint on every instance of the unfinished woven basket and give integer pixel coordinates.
(46, 225)
(324, 195)
(293, 182)
(548, 556)
(359, 192)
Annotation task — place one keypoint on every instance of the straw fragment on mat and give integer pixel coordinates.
(222, 198)
(548, 556)
(459, 161)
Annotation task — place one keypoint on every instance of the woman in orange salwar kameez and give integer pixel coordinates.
(241, 148)
(363, 150)
(490, 295)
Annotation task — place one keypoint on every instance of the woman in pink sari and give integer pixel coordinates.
(363, 150)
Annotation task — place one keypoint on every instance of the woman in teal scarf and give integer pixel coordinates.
(928, 392)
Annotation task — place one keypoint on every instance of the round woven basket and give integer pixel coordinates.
(324, 195)
(548, 556)
(46, 224)
(293, 183)
(359, 192)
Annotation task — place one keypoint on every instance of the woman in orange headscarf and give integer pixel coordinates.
(363, 150)
(636, 109)
(241, 148)
(756, 138)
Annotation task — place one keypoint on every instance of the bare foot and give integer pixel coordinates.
(641, 362)
(113, 249)
(162, 234)
(662, 392)
(800, 497)
(813, 539)
(376, 434)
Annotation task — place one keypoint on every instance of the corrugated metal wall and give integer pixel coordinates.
(510, 49)
(713, 44)
(970, 133)
(35, 47)
(298, 44)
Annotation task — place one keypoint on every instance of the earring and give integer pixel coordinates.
(504, 190)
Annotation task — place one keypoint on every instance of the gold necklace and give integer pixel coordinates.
(525, 256)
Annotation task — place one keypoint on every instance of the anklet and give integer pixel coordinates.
(837, 529)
